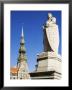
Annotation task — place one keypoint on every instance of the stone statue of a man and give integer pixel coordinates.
(52, 33)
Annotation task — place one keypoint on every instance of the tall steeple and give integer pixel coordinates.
(22, 60)
(22, 49)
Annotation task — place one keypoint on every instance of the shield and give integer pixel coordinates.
(53, 37)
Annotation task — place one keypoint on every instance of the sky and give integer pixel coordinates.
(32, 22)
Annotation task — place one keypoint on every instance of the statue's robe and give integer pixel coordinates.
(52, 38)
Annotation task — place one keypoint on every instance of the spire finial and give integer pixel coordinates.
(22, 32)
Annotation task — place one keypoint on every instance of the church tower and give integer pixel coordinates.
(22, 60)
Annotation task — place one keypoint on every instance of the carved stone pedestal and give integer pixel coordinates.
(48, 66)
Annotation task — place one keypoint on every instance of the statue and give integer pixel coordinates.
(49, 60)
(52, 34)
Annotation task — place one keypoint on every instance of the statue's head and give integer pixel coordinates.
(54, 19)
(49, 15)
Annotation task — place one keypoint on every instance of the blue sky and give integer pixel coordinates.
(32, 22)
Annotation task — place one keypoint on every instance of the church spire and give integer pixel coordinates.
(22, 60)
(22, 49)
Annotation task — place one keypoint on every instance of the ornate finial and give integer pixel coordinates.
(22, 32)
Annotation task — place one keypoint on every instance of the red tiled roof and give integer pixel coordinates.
(13, 69)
